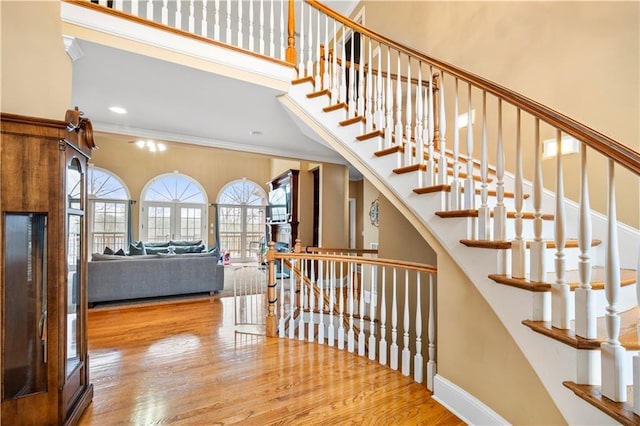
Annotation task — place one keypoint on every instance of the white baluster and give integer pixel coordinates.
(312, 304)
(379, 114)
(431, 364)
(350, 333)
(430, 130)
(341, 312)
(361, 78)
(261, 31)
(560, 289)
(584, 296)
(192, 18)
(281, 325)
(361, 337)
(150, 10)
(456, 191)
(351, 90)
(499, 211)
(240, 36)
(518, 244)
(283, 43)
(178, 23)
(469, 184)
(321, 302)
(538, 247)
(165, 12)
(251, 38)
(368, 109)
(406, 353)
(216, 20)
(118, 5)
(203, 21)
(318, 75)
(484, 215)
(335, 71)
(134, 7)
(332, 297)
(443, 169)
(310, 46)
(228, 39)
(303, 301)
(388, 132)
(398, 104)
(419, 128)
(613, 353)
(301, 65)
(417, 358)
(636, 359)
(372, 313)
(408, 150)
(383, 320)
(103, 2)
(292, 295)
(394, 325)
(326, 78)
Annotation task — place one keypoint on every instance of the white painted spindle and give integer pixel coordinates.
(499, 211)
(301, 65)
(383, 320)
(203, 22)
(281, 324)
(518, 244)
(251, 37)
(406, 353)
(456, 191)
(469, 184)
(379, 114)
(398, 105)
(272, 46)
(216, 20)
(310, 61)
(192, 17)
(560, 289)
(341, 312)
(351, 91)
(369, 102)
(165, 12)
(613, 353)
(537, 267)
(318, 73)
(431, 364)
(585, 298)
(150, 10)
(303, 299)
(360, 94)
(312, 304)
(408, 151)
(240, 35)
(484, 215)
(417, 358)
(343, 92)
(394, 325)
(350, 332)
(326, 79)
(261, 30)
(332, 297)
(636, 359)
(335, 72)
(430, 129)
(321, 302)
(103, 2)
(134, 7)
(443, 168)
(372, 313)
(419, 129)
(292, 295)
(118, 5)
(283, 42)
(178, 22)
(388, 132)
(361, 337)
(228, 39)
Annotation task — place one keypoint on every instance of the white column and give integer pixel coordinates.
(303, 299)
(394, 324)
(309, 43)
(585, 300)
(518, 244)
(560, 289)
(484, 215)
(383, 320)
(612, 352)
(351, 90)
(469, 184)
(538, 247)
(406, 353)
(335, 72)
(326, 78)
(240, 36)
(419, 130)
(499, 211)
(379, 115)
(456, 190)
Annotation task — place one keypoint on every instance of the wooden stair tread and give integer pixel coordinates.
(474, 213)
(506, 244)
(303, 80)
(423, 167)
(390, 150)
(319, 93)
(627, 277)
(622, 412)
(447, 188)
(370, 135)
(628, 332)
(352, 120)
(335, 107)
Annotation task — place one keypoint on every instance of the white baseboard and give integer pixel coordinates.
(464, 405)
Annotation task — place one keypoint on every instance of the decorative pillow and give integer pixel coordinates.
(107, 250)
(189, 249)
(137, 249)
(156, 250)
(120, 253)
(147, 244)
(185, 243)
(214, 252)
(95, 257)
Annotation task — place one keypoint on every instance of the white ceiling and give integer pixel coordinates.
(168, 101)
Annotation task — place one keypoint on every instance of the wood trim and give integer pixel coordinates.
(339, 250)
(303, 80)
(409, 169)
(353, 120)
(319, 94)
(621, 412)
(474, 213)
(335, 107)
(166, 28)
(432, 189)
(378, 261)
(370, 135)
(534, 286)
(391, 150)
(624, 155)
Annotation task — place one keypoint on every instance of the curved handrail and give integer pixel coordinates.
(377, 261)
(622, 154)
(339, 250)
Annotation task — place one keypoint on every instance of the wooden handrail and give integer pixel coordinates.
(621, 154)
(340, 258)
(339, 250)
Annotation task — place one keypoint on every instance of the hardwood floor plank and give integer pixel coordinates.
(186, 363)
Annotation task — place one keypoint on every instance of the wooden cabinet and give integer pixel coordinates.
(282, 216)
(44, 363)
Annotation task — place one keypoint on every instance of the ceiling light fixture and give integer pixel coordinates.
(152, 146)
(255, 133)
(117, 110)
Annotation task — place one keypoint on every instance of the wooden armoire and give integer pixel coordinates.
(43, 257)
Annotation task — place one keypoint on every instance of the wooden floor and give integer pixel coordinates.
(186, 363)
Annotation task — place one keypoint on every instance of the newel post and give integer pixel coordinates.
(272, 329)
(292, 56)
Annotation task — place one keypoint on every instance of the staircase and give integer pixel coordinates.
(560, 276)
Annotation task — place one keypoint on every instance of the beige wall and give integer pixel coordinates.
(36, 71)
(334, 208)
(355, 191)
(213, 168)
(369, 232)
(549, 52)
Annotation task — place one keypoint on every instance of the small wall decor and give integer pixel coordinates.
(373, 212)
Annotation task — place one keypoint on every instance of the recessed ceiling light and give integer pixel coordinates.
(118, 110)
(255, 133)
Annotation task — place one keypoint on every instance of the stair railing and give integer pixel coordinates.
(399, 81)
(371, 306)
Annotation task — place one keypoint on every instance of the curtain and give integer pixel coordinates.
(130, 204)
(217, 225)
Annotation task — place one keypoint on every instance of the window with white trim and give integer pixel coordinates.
(108, 206)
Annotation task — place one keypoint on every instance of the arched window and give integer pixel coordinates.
(173, 207)
(241, 217)
(109, 211)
